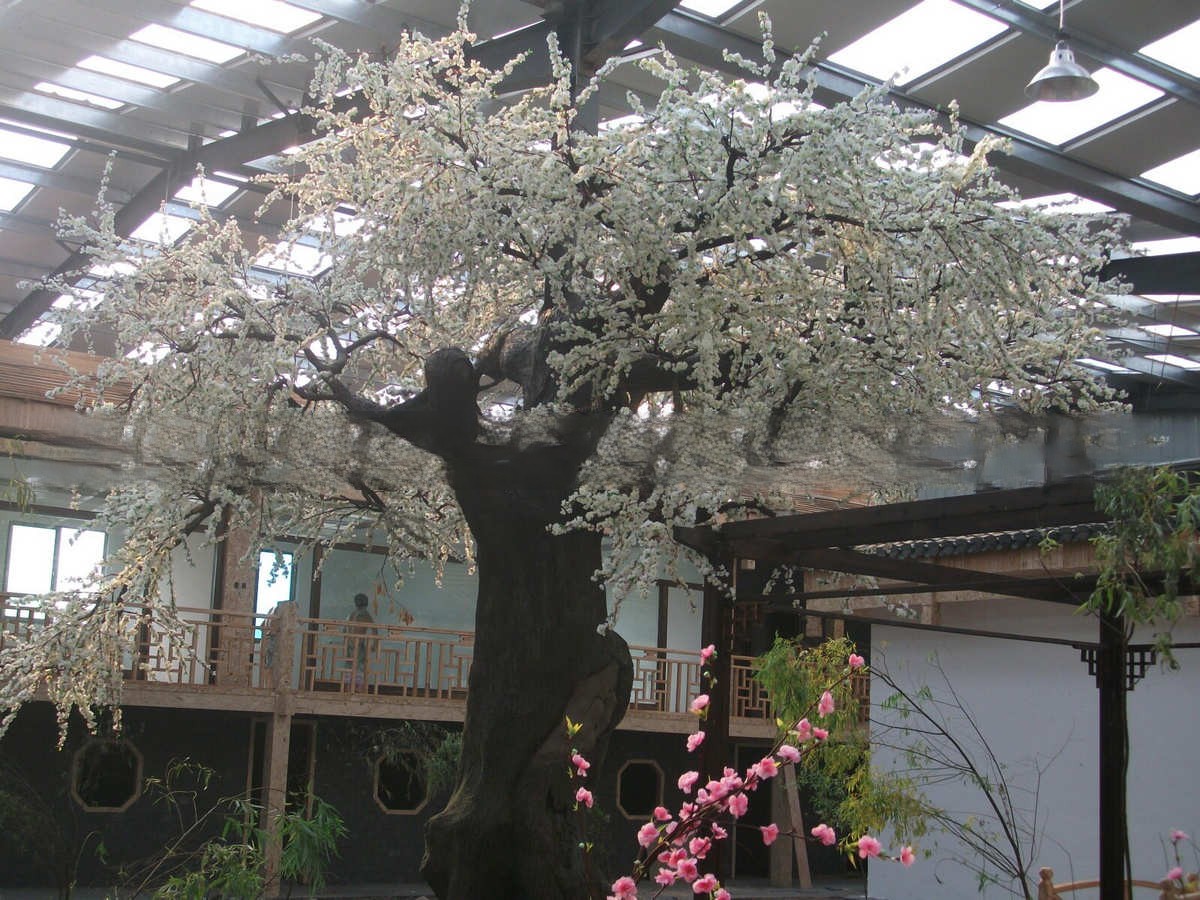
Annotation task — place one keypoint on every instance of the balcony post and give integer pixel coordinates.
(284, 627)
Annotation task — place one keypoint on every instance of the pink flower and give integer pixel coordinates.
(665, 876)
(766, 768)
(769, 833)
(694, 741)
(856, 661)
(704, 885)
(718, 833)
(868, 846)
(824, 834)
(738, 804)
(624, 888)
(707, 653)
(581, 765)
(788, 754)
(722, 894)
(825, 704)
(662, 814)
(1177, 836)
(584, 796)
(907, 857)
(820, 733)
(687, 781)
(699, 847)
(700, 703)
(803, 729)
(1175, 874)
(647, 834)
(687, 869)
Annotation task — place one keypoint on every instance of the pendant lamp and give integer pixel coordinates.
(1062, 79)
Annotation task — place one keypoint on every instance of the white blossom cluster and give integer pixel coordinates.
(739, 279)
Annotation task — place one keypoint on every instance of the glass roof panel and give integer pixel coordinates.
(1170, 359)
(714, 9)
(294, 258)
(66, 93)
(106, 66)
(1057, 123)
(1068, 203)
(187, 43)
(1165, 329)
(206, 192)
(35, 151)
(1101, 364)
(13, 192)
(274, 15)
(1168, 245)
(918, 41)
(162, 228)
(1180, 49)
(1182, 174)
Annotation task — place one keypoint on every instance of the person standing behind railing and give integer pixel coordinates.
(361, 621)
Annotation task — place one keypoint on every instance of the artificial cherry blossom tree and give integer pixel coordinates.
(526, 344)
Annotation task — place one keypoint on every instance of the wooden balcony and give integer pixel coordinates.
(224, 660)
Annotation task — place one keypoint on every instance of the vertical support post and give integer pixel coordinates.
(235, 637)
(1111, 679)
(278, 742)
(717, 749)
(799, 844)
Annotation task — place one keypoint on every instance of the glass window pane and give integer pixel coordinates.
(274, 580)
(80, 553)
(30, 560)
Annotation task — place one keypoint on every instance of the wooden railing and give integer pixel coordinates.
(748, 699)
(226, 651)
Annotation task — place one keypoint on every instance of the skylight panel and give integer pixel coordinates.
(1057, 123)
(1178, 49)
(1182, 174)
(1169, 245)
(1067, 203)
(1167, 330)
(714, 9)
(106, 66)
(12, 192)
(66, 93)
(274, 15)
(294, 258)
(35, 151)
(206, 192)
(162, 228)
(918, 41)
(1170, 298)
(1170, 359)
(187, 43)
(1093, 363)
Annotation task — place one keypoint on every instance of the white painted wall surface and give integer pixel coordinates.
(1033, 701)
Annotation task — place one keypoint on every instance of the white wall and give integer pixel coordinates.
(1034, 701)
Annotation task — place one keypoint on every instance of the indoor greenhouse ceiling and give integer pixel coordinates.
(154, 88)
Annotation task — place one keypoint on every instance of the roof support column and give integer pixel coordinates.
(1111, 678)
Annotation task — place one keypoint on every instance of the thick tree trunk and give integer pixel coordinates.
(509, 830)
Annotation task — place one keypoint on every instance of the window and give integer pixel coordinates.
(106, 775)
(43, 559)
(400, 785)
(274, 580)
(639, 788)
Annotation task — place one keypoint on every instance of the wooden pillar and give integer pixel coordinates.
(717, 749)
(278, 741)
(233, 640)
(1111, 680)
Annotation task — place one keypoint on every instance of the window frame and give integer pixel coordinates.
(56, 553)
